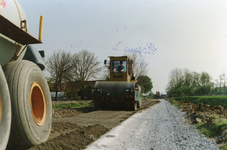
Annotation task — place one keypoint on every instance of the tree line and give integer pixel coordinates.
(183, 82)
(66, 67)
(77, 68)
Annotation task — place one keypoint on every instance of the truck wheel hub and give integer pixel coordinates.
(38, 104)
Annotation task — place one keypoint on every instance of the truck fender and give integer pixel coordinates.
(33, 55)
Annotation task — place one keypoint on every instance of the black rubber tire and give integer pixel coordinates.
(139, 103)
(133, 106)
(5, 111)
(98, 105)
(25, 131)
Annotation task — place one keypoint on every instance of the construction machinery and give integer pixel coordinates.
(25, 102)
(157, 95)
(121, 89)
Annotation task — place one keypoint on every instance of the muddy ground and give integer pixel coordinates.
(77, 128)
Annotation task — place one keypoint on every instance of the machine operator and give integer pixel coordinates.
(120, 68)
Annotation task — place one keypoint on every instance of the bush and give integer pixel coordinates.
(210, 100)
(206, 132)
(225, 146)
(71, 105)
(71, 94)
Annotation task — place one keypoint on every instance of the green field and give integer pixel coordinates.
(210, 100)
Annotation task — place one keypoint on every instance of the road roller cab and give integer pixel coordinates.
(121, 89)
(121, 69)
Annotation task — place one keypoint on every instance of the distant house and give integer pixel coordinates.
(73, 85)
(82, 89)
(60, 95)
(77, 85)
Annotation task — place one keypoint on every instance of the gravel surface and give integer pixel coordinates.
(159, 128)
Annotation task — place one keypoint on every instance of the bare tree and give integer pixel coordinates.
(224, 82)
(140, 67)
(187, 77)
(205, 79)
(85, 66)
(178, 76)
(195, 79)
(216, 83)
(59, 67)
(220, 79)
(106, 73)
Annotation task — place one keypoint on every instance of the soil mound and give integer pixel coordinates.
(68, 112)
(80, 137)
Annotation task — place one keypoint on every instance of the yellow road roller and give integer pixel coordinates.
(121, 89)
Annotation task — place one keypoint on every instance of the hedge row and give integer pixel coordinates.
(210, 100)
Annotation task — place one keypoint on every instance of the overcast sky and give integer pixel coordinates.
(180, 33)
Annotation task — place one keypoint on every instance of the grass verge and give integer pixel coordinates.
(218, 124)
(224, 147)
(211, 128)
(71, 105)
(176, 104)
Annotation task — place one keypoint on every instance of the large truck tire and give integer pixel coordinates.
(97, 105)
(31, 104)
(133, 106)
(139, 103)
(5, 111)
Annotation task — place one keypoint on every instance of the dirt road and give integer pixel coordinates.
(162, 127)
(84, 126)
